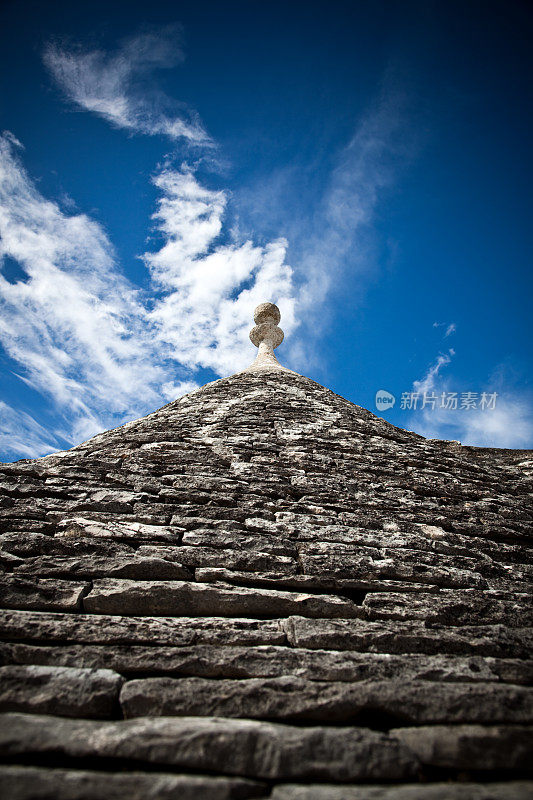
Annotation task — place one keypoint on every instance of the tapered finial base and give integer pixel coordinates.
(266, 336)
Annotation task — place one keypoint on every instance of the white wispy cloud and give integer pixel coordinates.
(505, 422)
(451, 327)
(22, 435)
(80, 334)
(114, 86)
(335, 239)
(338, 242)
(508, 424)
(366, 166)
(428, 382)
(210, 286)
(74, 324)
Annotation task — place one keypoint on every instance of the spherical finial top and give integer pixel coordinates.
(267, 312)
(266, 317)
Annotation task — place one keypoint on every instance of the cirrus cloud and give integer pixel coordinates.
(80, 334)
(113, 86)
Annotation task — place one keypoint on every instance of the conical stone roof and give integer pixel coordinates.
(263, 590)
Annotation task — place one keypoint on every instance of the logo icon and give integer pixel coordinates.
(384, 400)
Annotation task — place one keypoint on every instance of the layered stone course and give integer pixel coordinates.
(263, 590)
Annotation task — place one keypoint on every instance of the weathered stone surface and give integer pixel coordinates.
(298, 699)
(356, 561)
(262, 497)
(38, 783)
(104, 629)
(270, 661)
(31, 545)
(318, 449)
(233, 747)
(406, 636)
(405, 535)
(453, 608)
(95, 566)
(514, 790)
(224, 539)
(41, 594)
(245, 560)
(203, 599)
(118, 530)
(320, 583)
(470, 747)
(64, 691)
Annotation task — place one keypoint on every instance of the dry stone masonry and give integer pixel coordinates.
(263, 590)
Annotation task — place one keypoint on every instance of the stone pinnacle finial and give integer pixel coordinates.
(266, 318)
(266, 336)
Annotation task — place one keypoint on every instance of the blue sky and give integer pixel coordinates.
(167, 166)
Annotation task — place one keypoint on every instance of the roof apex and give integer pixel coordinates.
(266, 335)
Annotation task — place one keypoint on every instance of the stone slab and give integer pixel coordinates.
(233, 747)
(245, 560)
(31, 545)
(220, 661)
(404, 535)
(203, 599)
(40, 783)
(116, 529)
(514, 790)
(42, 594)
(292, 698)
(224, 539)
(90, 565)
(65, 691)
(470, 747)
(119, 630)
(453, 608)
(409, 636)
(320, 583)
(356, 561)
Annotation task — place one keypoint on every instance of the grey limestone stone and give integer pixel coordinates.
(514, 790)
(470, 747)
(31, 545)
(219, 537)
(324, 583)
(409, 636)
(233, 747)
(357, 561)
(44, 594)
(238, 559)
(93, 566)
(39, 783)
(66, 691)
(123, 630)
(117, 530)
(453, 607)
(269, 661)
(202, 599)
(288, 697)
